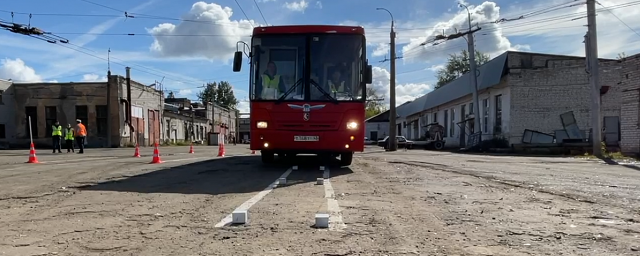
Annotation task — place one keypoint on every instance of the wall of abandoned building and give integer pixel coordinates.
(543, 89)
(64, 97)
(7, 111)
(630, 123)
(147, 104)
(178, 126)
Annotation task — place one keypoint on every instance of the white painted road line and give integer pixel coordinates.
(335, 215)
(246, 205)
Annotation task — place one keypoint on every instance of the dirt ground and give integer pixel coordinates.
(403, 203)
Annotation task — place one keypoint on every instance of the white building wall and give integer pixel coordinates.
(7, 112)
(382, 128)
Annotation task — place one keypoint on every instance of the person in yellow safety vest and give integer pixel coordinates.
(272, 83)
(56, 134)
(336, 84)
(69, 135)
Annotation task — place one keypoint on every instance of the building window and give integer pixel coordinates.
(1, 93)
(452, 128)
(51, 116)
(435, 117)
(498, 123)
(446, 123)
(101, 120)
(3, 132)
(471, 108)
(485, 117)
(82, 113)
(33, 113)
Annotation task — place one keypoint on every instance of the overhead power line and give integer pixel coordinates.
(260, 11)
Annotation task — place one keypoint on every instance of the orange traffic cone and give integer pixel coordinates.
(191, 148)
(137, 153)
(221, 150)
(156, 155)
(33, 159)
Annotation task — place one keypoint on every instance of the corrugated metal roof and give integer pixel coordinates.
(490, 75)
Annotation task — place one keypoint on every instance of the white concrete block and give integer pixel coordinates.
(282, 181)
(239, 217)
(322, 220)
(295, 168)
(322, 168)
(319, 181)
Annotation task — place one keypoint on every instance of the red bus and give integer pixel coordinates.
(307, 90)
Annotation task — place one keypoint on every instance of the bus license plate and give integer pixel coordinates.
(306, 138)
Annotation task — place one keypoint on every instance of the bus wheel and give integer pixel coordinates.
(346, 159)
(267, 157)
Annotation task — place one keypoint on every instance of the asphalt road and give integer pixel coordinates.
(417, 202)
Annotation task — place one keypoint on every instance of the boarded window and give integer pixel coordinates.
(101, 120)
(82, 113)
(33, 113)
(51, 116)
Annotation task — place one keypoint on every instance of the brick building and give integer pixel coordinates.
(102, 107)
(517, 91)
(630, 124)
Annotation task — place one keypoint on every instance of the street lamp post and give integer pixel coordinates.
(473, 75)
(392, 87)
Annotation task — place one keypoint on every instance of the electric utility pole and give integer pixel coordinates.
(473, 75)
(392, 142)
(594, 78)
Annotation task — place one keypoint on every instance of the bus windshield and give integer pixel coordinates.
(323, 67)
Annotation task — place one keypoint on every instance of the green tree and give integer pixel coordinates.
(374, 105)
(621, 55)
(458, 65)
(220, 93)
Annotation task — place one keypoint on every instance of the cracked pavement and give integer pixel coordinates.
(401, 203)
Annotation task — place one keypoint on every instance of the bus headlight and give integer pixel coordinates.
(352, 125)
(261, 125)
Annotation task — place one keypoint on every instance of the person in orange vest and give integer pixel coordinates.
(81, 134)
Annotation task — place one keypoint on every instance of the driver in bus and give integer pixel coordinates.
(337, 83)
(272, 83)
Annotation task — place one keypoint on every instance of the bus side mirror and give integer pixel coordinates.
(368, 75)
(237, 61)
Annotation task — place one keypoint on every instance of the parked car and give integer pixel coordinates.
(367, 141)
(402, 142)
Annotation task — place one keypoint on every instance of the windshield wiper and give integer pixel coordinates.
(293, 88)
(325, 93)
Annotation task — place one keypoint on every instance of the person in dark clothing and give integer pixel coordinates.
(56, 134)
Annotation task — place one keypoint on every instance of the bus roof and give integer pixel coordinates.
(296, 29)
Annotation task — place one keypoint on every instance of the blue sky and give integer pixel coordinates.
(165, 46)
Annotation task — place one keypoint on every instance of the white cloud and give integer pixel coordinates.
(493, 43)
(243, 106)
(18, 71)
(382, 49)
(218, 33)
(404, 92)
(265, 1)
(93, 78)
(318, 4)
(299, 6)
(562, 31)
(185, 93)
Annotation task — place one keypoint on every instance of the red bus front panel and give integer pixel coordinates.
(324, 128)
